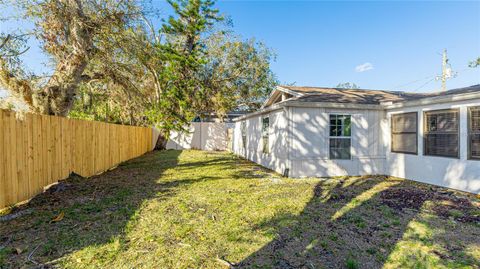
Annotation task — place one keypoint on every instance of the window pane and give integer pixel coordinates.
(333, 120)
(406, 142)
(340, 125)
(442, 121)
(475, 120)
(333, 131)
(243, 130)
(265, 134)
(474, 132)
(347, 131)
(441, 145)
(406, 122)
(266, 148)
(340, 148)
(441, 136)
(475, 146)
(404, 132)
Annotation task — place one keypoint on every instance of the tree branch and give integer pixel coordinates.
(19, 87)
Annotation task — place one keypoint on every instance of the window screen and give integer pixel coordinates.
(243, 130)
(404, 133)
(265, 135)
(474, 133)
(441, 133)
(340, 136)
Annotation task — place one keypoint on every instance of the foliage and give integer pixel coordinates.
(111, 63)
(237, 74)
(347, 85)
(475, 63)
(69, 32)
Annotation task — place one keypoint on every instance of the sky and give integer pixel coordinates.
(388, 45)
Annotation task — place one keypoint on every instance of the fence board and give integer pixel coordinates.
(38, 150)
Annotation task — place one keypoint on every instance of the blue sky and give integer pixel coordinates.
(322, 43)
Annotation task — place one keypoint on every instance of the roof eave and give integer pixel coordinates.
(293, 103)
(273, 107)
(282, 89)
(433, 100)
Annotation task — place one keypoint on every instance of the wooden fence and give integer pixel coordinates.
(38, 150)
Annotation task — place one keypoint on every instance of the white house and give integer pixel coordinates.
(321, 132)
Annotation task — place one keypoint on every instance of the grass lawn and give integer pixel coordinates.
(194, 209)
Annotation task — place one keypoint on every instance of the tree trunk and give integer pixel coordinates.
(161, 143)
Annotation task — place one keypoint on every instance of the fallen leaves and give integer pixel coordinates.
(59, 217)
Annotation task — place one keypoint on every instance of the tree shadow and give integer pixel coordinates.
(363, 223)
(95, 211)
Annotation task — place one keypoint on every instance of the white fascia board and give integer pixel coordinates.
(292, 103)
(294, 93)
(271, 108)
(434, 100)
(273, 94)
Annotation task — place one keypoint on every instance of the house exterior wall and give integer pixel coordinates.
(309, 136)
(277, 158)
(299, 141)
(457, 173)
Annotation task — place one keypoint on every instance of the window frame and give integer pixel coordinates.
(243, 132)
(416, 133)
(266, 133)
(425, 133)
(330, 137)
(470, 133)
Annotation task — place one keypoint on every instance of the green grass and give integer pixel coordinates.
(194, 209)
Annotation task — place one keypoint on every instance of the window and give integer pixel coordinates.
(474, 133)
(243, 130)
(265, 128)
(441, 133)
(340, 136)
(404, 133)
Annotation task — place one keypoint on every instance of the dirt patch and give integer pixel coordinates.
(401, 198)
(459, 209)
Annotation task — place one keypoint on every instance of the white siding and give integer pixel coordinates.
(462, 174)
(276, 159)
(299, 140)
(310, 143)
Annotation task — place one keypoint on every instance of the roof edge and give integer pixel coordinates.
(433, 100)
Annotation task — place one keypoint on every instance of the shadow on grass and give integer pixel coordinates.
(367, 223)
(96, 210)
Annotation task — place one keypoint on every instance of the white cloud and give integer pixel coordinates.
(363, 67)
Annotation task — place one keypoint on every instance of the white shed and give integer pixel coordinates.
(322, 132)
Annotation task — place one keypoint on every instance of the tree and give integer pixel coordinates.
(112, 64)
(69, 31)
(182, 93)
(475, 63)
(237, 74)
(347, 85)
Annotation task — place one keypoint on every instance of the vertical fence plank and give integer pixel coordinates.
(3, 190)
(37, 146)
(13, 163)
(38, 150)
(58, 149)
(30, 157)
(65, 152)
(22, 175)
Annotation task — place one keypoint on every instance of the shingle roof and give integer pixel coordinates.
(361, 96)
